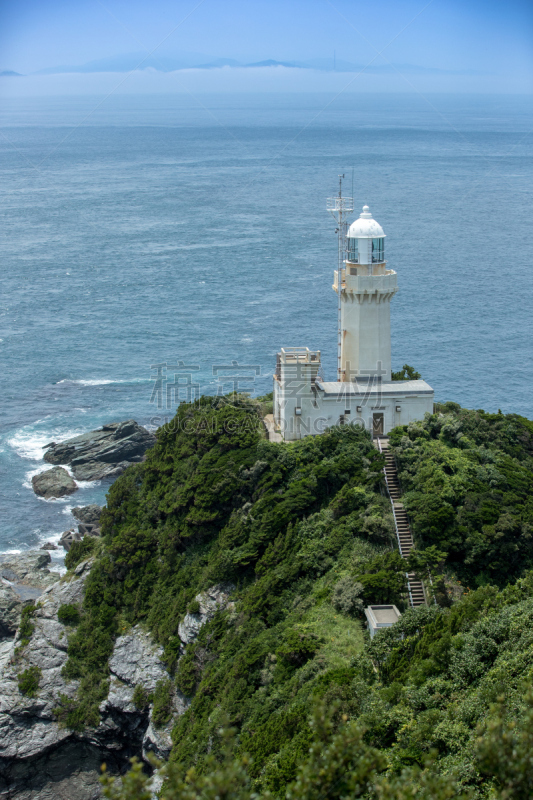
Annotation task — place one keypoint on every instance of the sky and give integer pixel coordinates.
(478, 44)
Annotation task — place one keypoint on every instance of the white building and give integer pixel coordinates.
(364, 394)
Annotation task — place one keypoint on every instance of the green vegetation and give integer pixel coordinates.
(302, 537)
(27, 626)
(68, 614)
(81, 550)
(467, 478)
(407, 373)
(28, 681)
(141, 697)
(162, 710)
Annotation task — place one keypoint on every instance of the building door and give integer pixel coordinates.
(377, 420)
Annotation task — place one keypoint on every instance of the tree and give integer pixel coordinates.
(407, 373)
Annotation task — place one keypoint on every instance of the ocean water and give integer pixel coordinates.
(141, 231)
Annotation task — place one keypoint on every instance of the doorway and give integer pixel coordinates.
(377, 424)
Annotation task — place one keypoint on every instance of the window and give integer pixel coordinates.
(353, 250)
(378, 250)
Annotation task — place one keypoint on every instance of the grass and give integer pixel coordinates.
(343, 636)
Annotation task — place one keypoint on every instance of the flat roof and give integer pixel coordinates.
(385, 614)
(366, 388)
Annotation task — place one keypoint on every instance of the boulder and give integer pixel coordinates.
(103, 453)
(23, 576)
(88, 514)
(68, 538)
(28, 568)
(214, 598)
(10, 608)
(54, 482)
(49, 546)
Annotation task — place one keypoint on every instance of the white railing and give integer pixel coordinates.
(396, 526)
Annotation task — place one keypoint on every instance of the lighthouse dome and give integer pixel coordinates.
(365, 227)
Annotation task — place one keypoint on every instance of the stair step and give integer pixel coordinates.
(403, 530)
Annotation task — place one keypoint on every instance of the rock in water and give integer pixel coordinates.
(88, 514)
(55, 482)
(103, 453)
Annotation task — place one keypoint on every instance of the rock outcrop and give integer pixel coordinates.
(104, 453)
(55, 482)
(40, 759)
(23, 577)
(209, 602)
(90, 515)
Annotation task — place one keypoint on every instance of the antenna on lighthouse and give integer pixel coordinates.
(339, 207)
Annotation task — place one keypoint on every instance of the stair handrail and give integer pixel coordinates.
(396, 526)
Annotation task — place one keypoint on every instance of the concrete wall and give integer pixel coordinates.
(320, 411)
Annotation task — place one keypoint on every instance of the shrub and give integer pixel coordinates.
(346, 596)
(407, 373)
(194, 607)
(27, 626)
(28, 681)
(68, 614)
(187, 674)
(141, 697)
(79, 551)
(298, 647)
(162, 709)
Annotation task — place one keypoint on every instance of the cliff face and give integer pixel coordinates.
(41, 758)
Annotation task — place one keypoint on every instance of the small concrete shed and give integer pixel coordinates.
(379, 617)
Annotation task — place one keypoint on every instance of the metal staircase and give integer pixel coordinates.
(417, 596)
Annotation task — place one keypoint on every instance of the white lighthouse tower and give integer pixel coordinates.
(364, 393)
(366, 288)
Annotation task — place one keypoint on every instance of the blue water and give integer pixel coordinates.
(139, 231)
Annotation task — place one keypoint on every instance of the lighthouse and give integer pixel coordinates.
(366, 288)
(364, 394)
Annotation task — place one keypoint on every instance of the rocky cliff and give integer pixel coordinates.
(23, 577)
(41, 758)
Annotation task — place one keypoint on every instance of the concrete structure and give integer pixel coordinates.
(379, 617)
(364, 394)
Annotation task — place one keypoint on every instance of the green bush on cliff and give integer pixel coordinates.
(28, 681)
(81, 550)
(68, 614)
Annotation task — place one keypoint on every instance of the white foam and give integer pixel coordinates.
(29, 443)
(101, 381)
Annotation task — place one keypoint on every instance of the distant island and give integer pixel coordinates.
(128, 62)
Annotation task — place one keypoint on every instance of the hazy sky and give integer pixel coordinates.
(491, 37)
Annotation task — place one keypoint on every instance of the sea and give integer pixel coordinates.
(157, 247)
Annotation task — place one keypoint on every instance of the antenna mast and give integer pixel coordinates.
(339, 207)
